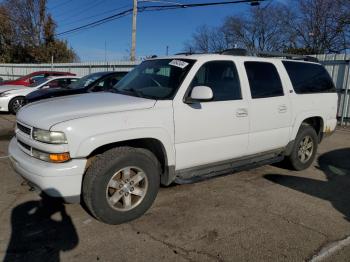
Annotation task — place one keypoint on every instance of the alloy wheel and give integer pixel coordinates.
(127, 188)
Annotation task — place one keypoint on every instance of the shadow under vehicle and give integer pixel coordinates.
(336, 166)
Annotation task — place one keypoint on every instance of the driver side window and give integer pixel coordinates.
(222, 78)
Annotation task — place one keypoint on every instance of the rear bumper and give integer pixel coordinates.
(56, 180)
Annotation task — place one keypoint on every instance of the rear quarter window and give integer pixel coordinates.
(309, 78)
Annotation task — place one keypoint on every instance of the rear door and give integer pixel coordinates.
(269, 109)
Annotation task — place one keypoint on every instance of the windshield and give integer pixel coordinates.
(86, 80)
(38, 82)
(155, 79)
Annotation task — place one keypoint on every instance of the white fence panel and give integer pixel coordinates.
(12, 71)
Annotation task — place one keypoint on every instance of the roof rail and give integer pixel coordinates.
(235, 52)
(244, 52)
(288, 56)
(189, 53)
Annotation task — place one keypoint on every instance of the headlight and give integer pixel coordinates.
(50, 137)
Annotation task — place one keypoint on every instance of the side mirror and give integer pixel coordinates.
(200, 94)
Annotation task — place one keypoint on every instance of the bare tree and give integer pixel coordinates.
(302, 26)
(264, 29)
(29, 33)
(207, 39)
(6, 36)
(322, 26)
(28, 19)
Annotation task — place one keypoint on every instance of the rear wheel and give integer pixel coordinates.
(121, 184)
(305, 148)
(16, 104)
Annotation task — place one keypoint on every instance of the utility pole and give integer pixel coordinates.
(133, 41)
(106, 51)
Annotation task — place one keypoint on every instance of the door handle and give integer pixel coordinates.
(242, 112)
(282, 109)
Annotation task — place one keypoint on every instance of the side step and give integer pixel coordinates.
(194, 175)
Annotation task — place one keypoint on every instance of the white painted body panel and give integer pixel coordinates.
(87, 133)
(210, 131)
(270, 118)
(63, 180)
(191, 135)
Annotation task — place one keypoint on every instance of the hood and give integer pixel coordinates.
(44, 114)
(44, 93)
(5, 88)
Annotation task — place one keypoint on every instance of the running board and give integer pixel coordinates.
(196, 174)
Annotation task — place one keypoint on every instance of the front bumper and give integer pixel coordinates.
(4, 104)
(57, 180)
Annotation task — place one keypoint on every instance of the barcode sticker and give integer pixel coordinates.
(178, 63)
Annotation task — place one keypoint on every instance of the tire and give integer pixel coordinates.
(16, 104)
(303, 155)
(107, 193)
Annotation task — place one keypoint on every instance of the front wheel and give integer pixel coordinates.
(121, 184)
(305, 148)
(16, 104)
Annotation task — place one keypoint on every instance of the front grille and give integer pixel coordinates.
(23, 128)
(24, 145)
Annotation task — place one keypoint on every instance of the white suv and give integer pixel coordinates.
(174, 119)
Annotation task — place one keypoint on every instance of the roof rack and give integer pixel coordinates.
(244, 52)
(288, 56)
(189, 53)
(235, 52)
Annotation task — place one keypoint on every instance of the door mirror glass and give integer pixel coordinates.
(201, 94)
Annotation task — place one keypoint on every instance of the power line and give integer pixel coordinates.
(97, 23)
(94, 16)
(178, 6)
(150, 8)
(83, 10)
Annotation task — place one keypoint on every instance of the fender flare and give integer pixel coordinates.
(302, 117)
(89, 144)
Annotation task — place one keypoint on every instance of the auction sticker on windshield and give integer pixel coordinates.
(178, 63)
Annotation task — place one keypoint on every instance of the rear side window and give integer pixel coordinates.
(263, 79)
(309, 78)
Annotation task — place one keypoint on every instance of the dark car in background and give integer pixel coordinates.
(96, 82)
(27, 80)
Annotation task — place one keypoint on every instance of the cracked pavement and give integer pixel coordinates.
(264, 214)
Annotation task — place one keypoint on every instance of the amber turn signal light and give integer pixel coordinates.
(59, 158)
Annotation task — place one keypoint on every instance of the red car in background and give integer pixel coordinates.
(33, 77)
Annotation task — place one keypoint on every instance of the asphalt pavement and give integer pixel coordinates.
(264, 214)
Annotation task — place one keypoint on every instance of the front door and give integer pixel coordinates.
(216, 130)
